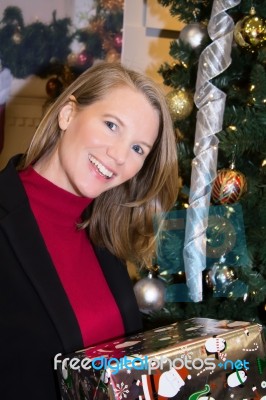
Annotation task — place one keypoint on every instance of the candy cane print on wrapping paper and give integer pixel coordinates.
(210, 101)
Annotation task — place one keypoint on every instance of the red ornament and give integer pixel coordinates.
(228, 186)
(84, 59)
(118, 41)
(54, 87)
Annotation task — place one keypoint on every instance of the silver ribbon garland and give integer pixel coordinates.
(210, 101)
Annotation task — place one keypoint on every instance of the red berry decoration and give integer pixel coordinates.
(228, 186)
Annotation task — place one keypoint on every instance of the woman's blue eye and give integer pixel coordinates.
(138, 149)
(111, 125)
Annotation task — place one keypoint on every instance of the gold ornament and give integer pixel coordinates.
(112, 56)
(108, 42)
(17, 38)
(180, 103)
(67, 76)
(250, 32)
(72, 59)
(112, 5)
(229, 186)
(96, 26)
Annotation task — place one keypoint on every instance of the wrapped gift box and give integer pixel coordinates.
(197, 359)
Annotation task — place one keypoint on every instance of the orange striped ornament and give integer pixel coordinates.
(228, 186)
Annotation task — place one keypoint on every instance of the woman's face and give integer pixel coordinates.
(102, 145)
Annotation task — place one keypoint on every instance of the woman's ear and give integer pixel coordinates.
(66, 114)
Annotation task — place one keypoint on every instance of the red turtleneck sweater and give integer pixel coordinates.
(57, 212)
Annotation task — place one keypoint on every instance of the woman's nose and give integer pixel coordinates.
(118, 152)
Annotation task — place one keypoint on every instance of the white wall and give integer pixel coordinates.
(148, 30)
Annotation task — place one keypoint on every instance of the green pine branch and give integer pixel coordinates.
(242, 140)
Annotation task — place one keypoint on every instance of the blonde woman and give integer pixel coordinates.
(73, 209)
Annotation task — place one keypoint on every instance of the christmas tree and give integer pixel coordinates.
(60, 51)
(229, 66)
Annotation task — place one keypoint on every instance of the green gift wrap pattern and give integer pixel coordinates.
(196, 359)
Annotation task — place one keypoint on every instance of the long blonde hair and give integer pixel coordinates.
(120, 219)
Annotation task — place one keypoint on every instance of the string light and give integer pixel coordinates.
(232, 128)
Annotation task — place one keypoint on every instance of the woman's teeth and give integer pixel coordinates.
(101, 168)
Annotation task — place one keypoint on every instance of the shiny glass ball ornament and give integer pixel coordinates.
(250, 32)
(67, 75)
(112, 56)
(118, 40)
(228, 187)
(54, 87)
(72, 59)
(150, 294)
(180, 103)
(17, 38)
(84, 59)
(219, 277)
(194, 34)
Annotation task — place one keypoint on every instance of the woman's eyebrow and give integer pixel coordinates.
(120, 122)
(114, 117)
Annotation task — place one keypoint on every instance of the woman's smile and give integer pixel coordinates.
(100, 168)
(102, 145)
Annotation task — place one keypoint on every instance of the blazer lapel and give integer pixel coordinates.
(19, 224)
(25, 238)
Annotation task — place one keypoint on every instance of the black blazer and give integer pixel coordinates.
(36, 318)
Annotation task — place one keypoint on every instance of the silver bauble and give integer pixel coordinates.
(150, 294)
(219, 277)
(194, 34)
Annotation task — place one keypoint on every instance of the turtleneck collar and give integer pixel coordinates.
(56, 203)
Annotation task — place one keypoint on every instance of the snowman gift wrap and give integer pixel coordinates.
(196, 359)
